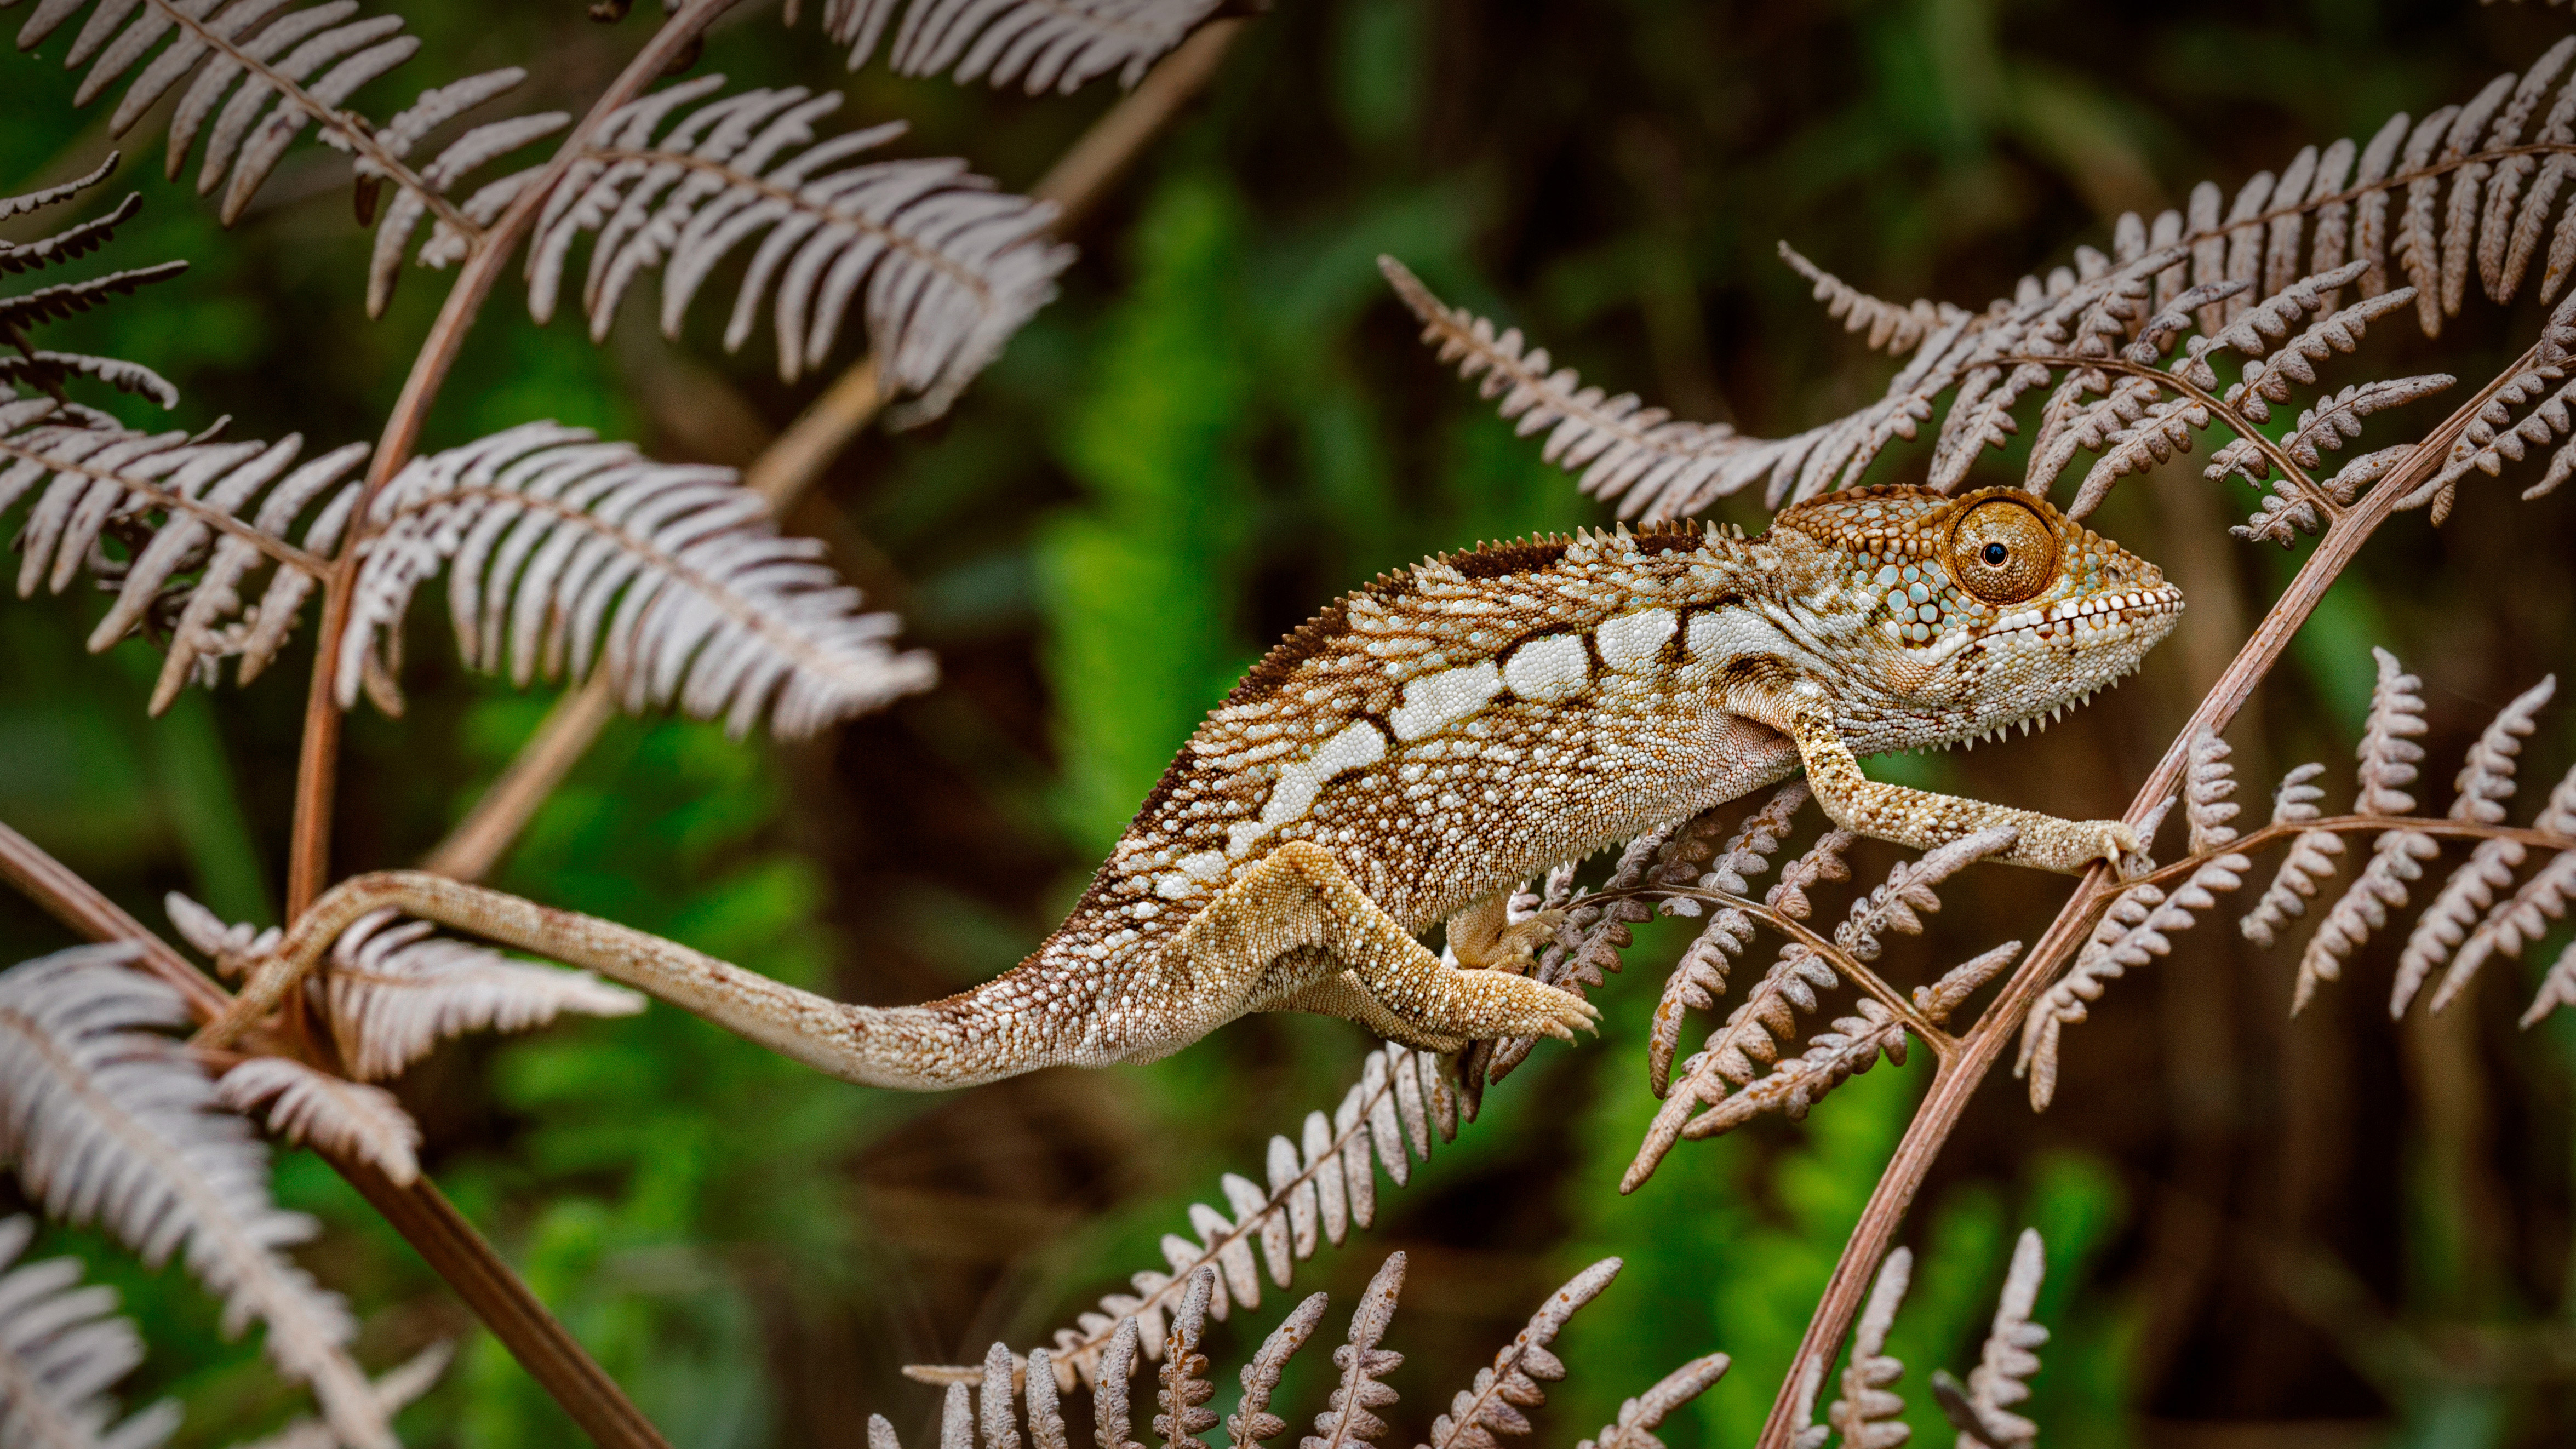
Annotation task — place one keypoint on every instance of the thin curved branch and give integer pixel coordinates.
(1941, 1041)
(2235, 420)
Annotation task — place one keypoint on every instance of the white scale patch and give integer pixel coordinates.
(1294, 792)
(1548, 669)
(1630, 642)
(1717, 635)
(1433, 701)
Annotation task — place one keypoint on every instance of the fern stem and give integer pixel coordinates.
(72, 900)
(1956, 1080)
(317, 762)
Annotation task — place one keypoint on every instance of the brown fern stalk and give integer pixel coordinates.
(797, 457)
(1958, 1076)
(442, 1236)
(317, 761)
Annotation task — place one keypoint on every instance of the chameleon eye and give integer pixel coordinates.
(2002, 551)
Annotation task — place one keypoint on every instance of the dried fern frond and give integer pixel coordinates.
(561, 549)
(2522, 917)
(307, 61)
(2495, 436)
(1185, 1389)
(2557, 988)
(948, 266)
(1317, 1191)
(1698, 978)
(1641, 1416)
(2388, 755)
(106, 1121)
(1767, 1016)
(1853, 1044)
(455, 229)
(1350, 1414)
(2002, 1376)
(395, 991)
(1891, 328)
(1946, 995)
(61, 1346)
(259, 73)
(2082, 327)
(1042, 44)
(341, 1116)
(232, 947)
(1696, 853)
(2320, 226)
(2208, 780)
(1492, 1405)
(1866, 1413)
(47, 371)
(2165, 418)
(1586, 950)
(2140, 924)
(1252, 1422)
(180, 506)
(1109, 1404)
(1655, 464)
(2304, 866)
(2485, 783)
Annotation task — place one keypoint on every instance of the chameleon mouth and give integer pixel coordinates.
(2087, 620)
(2136, 618)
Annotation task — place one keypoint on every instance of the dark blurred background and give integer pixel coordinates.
(2323, 1232)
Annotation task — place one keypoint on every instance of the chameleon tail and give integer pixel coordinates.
(982, 1035)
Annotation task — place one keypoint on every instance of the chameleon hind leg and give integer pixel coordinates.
(1297, 898)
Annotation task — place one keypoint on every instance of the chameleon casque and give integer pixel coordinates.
(1428, 743)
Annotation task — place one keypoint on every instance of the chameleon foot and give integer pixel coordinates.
(2071, 845)
(1480, 939)
(1478, 1005)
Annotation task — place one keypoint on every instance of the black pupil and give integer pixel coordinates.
(1994, 555)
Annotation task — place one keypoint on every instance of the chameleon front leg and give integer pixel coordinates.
(1799, 708)
(1298, 897)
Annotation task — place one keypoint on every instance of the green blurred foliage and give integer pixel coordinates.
(1223, 424)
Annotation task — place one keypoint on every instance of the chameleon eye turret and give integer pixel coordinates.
(2003, 552)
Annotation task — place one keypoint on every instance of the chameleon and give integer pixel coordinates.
(1431, 741)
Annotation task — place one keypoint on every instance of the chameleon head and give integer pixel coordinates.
(1980, 611)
